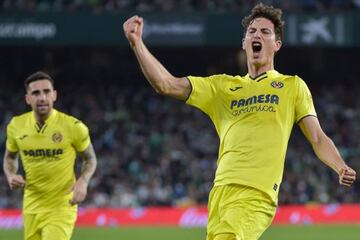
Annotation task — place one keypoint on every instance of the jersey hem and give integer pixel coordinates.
(11, 150)
(84, 148)
(191, 90)
(50, 210)
(301, 118)
(272, 198)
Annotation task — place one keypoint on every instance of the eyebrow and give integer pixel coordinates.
(264, 28)
(38, 91)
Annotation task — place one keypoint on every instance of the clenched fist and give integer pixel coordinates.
(133, 29)
(16, 181)
(347, 176)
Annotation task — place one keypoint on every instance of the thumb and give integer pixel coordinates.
(71, 189)
(343, 170)
(72, 201)
(19, 179)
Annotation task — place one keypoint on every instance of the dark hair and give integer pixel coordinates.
(36, 77)
(269, 12)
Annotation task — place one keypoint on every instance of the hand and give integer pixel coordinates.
(16, 181)
(133, 29)
(80, 191)
(347, 176)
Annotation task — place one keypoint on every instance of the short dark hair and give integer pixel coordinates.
(36, 77)
(269, 12)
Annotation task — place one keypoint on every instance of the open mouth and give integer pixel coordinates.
(256, 46)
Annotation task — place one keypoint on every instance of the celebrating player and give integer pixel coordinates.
(253, 116)
(47, 141)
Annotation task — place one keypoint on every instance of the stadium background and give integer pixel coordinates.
(157, 152)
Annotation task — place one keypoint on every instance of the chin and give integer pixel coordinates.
(257, 62)
(43, 113)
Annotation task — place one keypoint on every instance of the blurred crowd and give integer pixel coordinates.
(172, 5)
(154, 150)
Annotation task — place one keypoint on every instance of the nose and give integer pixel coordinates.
(42, 97)
(257, 34)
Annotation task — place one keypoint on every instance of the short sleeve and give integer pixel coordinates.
(304, 105)
(11, 144)
(81, 137)
(203, 92)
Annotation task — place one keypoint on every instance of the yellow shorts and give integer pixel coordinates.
(57, 225)
(243, 211)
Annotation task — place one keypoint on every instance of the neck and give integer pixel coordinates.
(255, 70)
(40, 119)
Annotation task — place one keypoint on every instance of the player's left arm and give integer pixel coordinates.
(326, 150)
(83, 145)
(87, 170)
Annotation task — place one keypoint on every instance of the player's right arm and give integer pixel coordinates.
(11, 165)
(159, 77)
(11, 162)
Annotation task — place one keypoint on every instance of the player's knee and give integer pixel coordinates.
(225, 236)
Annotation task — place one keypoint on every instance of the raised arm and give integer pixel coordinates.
(87, 170)
(326, 150)
(11, 165)
(159, 77)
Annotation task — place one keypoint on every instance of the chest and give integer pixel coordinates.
(263, 101)
(47, 139)
(261, 90)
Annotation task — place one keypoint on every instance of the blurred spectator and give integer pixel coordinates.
(154, 151)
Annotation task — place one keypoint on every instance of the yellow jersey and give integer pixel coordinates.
(253, 119)
(48, 155)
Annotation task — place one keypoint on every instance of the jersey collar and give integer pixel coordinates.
(262, 76)
(51, 118)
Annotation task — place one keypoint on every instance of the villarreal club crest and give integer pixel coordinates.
(277, 84)
(57, 137)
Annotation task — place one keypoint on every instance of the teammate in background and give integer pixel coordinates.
(47, 141)
(253, 116)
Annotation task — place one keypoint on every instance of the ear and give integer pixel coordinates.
(55, 95)
(27, 99)
(278, 44)
(243, 43)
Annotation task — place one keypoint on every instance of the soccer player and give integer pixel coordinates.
(47, 141)
(253, 116)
